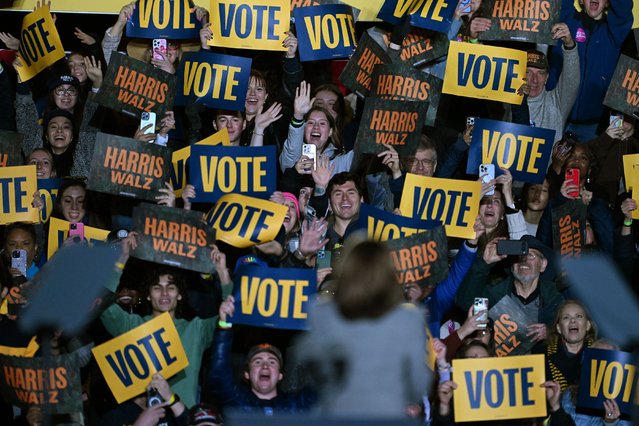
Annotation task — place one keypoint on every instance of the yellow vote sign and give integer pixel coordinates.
(250, 24)
(128, 361)
(40, 44)
(102, 6)
(368, 9)
(499, 388)
(454, 203)
(631, 175)
(59, 232)
(17, 186)
(181, 156)
(246, 221)
(485, 72)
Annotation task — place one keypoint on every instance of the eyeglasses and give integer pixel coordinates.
(60, 91)
(531, 255)
(426, 162)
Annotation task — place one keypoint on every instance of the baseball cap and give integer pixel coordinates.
(56, 113)
(265, 347)
(537, 59)
(204, 414)
(64, 79)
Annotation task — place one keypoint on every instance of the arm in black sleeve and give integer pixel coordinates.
(521, 113)
(7, 112)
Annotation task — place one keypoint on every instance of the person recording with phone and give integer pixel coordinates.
(618, 140)
(158, 406)
(575, 183)
(536, 296)
(19, 249)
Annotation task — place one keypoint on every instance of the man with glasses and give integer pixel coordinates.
(535, 295)
(423, 163)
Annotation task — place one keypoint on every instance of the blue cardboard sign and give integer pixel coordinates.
(168, 19)
(274, 297)
(48, 191)
(524, 150)
(325, 32)
(219, 170)
(383, 226)
(607, 374)
(436, 15)
(217, 81)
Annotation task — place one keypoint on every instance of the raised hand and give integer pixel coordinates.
(83, 37)
(303, 102)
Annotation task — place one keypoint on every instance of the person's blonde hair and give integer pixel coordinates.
(367, 286)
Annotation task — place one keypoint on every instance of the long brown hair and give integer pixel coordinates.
(367, 286)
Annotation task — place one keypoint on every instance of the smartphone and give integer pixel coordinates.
(465, 3)
(616, 120)
(512, 247)
(481, 304)
(19, 261)
(310, 151)
(573, 175)
(145, 119)
(470, 121)
(565, 145)
(153, 397)
(76, 230)
(159, 49)
(323, 259)
(487, 173)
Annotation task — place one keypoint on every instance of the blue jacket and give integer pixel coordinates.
(442, 299)
(230, 393)
(598, 54)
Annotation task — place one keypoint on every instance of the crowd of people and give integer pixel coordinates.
(365, 354)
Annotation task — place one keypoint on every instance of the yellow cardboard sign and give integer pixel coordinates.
(17, 186)
(631, 176)
(128, 361)
(368, 9)
(246, 221)
(59, 232)
(485, 72)
(630, 169)
(40, 44)
(179, 158)
(250, 24)
(454, 203)
(499, 388)
(103, 6)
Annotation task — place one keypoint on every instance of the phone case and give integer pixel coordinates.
(616, 120)
(573, 175)
(323, 259)
(310, 150)
(145, 119)
(487, 173)
(159, 49)
(481, 304)
(512, 247)
(76, 230)
(19, 261)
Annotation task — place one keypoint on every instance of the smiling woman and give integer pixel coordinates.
(59, 138)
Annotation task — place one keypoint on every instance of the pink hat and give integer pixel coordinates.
(293, 198)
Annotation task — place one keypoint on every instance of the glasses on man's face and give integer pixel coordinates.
(60, 91)
(425, 163)
(530, 256)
